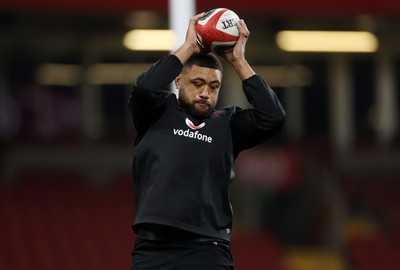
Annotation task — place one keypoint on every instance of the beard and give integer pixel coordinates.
(206, 108)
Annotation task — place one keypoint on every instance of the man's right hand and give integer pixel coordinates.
(190, 45)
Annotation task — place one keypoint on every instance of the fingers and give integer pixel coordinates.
(191, 37)
(193, 21)
(239, 49)
(243, 30)
(197, 17)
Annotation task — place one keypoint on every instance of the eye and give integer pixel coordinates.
(215, 86)
(198, 84)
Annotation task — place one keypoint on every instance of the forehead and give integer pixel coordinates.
(203, 72)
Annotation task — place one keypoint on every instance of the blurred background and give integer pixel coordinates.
(321, 194)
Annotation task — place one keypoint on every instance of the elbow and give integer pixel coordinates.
(277, 124)
(143, 86)
(273, 123)
(140, 87)
(280, 119)
(141, 92)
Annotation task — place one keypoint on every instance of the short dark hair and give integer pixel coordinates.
(207, 60)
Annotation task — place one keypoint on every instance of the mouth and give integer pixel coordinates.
(202, 105)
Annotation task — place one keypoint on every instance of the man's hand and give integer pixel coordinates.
(191, 36)
(190, 45)
(238, 51)
(236, 56)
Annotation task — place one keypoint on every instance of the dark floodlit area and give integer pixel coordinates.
(321, 194)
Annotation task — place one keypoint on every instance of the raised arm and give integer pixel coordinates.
(253, 126)
(150, 91)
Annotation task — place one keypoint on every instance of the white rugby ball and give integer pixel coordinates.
(217, 30)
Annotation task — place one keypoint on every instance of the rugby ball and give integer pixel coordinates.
(217, 31)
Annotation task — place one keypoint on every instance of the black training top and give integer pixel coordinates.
(182, 166)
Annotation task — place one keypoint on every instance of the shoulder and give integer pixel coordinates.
(228, 111)
(225, 114)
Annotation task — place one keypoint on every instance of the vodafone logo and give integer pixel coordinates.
(192, 132)
(193, 126)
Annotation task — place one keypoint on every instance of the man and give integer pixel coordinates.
(184, 153)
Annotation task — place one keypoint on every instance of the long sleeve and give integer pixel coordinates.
(253, 126)
(149, 93)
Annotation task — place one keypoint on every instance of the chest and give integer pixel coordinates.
(177, 132)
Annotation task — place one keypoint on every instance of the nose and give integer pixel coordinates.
(205, 93)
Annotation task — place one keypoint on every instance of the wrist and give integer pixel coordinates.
(185, 51)
(243, 68)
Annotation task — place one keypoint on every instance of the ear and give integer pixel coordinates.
(178, 81)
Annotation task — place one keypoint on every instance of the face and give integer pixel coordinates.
(198, 89)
